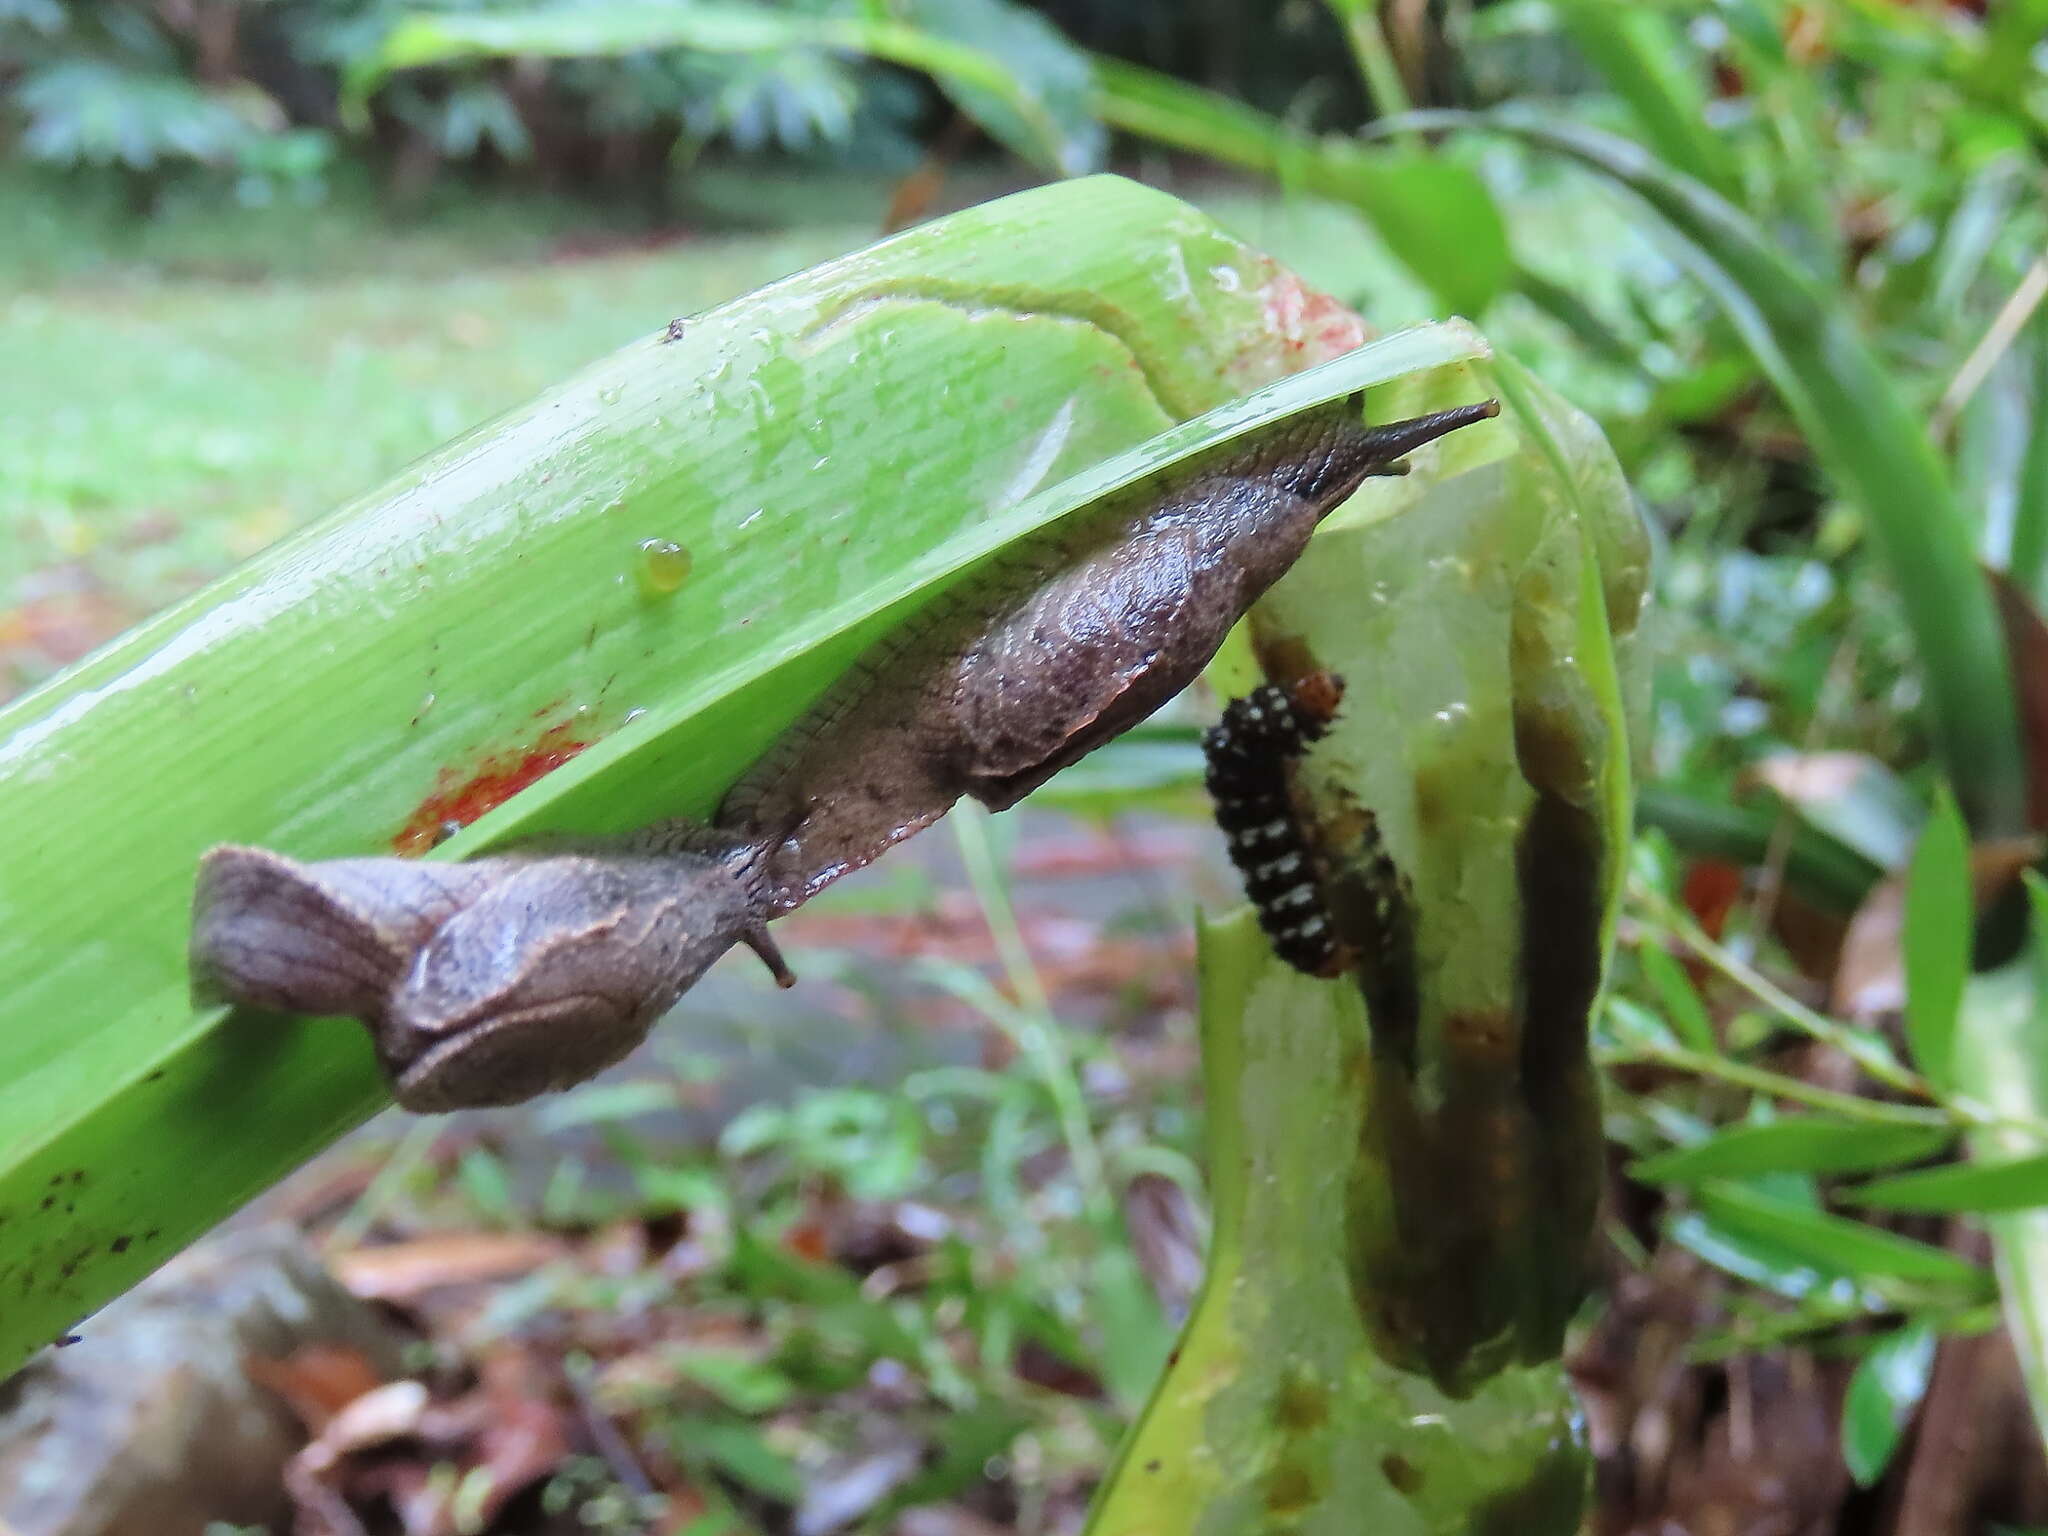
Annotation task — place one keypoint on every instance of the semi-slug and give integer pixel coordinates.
(490, 982)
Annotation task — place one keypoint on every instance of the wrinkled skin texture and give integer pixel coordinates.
(482, 983)
(1054, 648)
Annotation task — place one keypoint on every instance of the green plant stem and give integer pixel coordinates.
(1038, 1032)
(411, 1150)
(1778, 1329)
(1868, 1052)
(1778, 1085)
(2027, 560)
(1375, 60)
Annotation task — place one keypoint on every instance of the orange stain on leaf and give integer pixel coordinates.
(456, 800)
(1312, 325)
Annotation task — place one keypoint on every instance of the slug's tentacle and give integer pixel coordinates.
(1248, 753)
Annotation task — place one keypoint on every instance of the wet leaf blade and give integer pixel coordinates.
(1936, 939)
(1883, 1394)
(1805, 1144)
(1836, 1246)
(2003, 1184)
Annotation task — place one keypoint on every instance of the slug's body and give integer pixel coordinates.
(1056, 648)
(1247, 754)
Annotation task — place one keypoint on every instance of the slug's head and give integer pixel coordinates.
(482, 983)
(1360, 452)
(560, 969)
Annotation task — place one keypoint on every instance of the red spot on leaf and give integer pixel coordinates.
(457, 800)
(1303, 326)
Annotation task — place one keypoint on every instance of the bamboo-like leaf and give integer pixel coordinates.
(1683, 1008)
(660, 561)
(1834, 1245)
(1998, 1184)
(1940, 913)
(1806, 1144)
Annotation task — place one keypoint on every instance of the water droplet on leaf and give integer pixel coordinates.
(664, 567)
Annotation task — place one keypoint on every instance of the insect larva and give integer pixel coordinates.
(1248, 753)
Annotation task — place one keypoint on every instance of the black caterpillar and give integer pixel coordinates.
(1247, 752)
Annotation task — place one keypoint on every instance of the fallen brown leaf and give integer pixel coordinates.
(1870, 978)
(316, 1381)
(402, 1271)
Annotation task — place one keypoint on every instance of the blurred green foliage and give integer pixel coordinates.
(246, 96)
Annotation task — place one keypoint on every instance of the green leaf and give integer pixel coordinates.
(1435, 215)
(2037, 945)
(740, 1380)
(1806, 1144)
(1335, 1261)
(1053, 130)
(1046, 68)
(1834, 1245)
(346, 692)
(1867, 434)
(1745, 1255)
(1644, 61)
(1273, 1370)
(1940, 914)
(1886, 1388)
(1683, 1010)
(741, 1451)
(2005, 1184)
